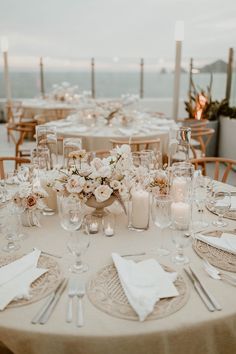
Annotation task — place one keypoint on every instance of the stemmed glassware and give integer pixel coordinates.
(46, 137)
(161, 216)
(200, 196)
(9, 224)
(70, 145)
(181, 237)
(71, 215)
(222, 203)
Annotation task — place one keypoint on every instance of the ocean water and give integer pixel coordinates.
(113, 84)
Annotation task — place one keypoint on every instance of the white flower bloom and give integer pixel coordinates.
(121, 150)
(75, 184)
(58, 186)
(102, 193)
(85, 170)
(89, 186)
(96, 163)
(104, 172)
(115, 184)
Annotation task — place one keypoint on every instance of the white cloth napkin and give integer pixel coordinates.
(144, 283)
(16, 277)
(227, 242)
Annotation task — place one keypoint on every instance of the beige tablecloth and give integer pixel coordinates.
(190, 330)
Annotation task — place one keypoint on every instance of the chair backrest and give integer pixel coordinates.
(139, 145)
(99, 153)
(17, 160)
(219, 174)
(203, 136)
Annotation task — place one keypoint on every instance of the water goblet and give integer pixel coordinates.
(181, 237)
(221, 202)
(200, 196)
(71, 214)
(10, 226)
(161, 216)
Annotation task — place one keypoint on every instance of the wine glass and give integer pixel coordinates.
(161, 216)
(10, 225)
(71, 214)
(200, 196)
(221, 202)
(70, 145)
(181, 237)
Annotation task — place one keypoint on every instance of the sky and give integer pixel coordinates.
(65, 31)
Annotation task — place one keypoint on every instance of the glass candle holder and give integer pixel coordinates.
(108, 223)
(92, 224)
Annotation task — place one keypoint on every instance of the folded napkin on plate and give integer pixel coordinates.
(16, 277)
(144, 283)
(227, 242)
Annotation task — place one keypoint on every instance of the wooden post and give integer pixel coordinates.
(93, 78)
(4, 47)
(179, 37)
(177, 79)
(141, 78)
(229, 74)
(190, 79)
(42, 90)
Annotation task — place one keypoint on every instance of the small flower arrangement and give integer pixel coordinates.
(30, 197)
(101, 178)
(159, 183)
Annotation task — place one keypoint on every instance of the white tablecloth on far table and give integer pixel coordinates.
(98, 137)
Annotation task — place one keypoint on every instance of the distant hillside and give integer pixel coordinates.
(219, 66)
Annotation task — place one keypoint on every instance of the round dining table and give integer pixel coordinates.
(98, 136)
(192, 329)
(50, 110)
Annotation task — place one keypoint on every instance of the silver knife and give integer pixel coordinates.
(200, 292)
(212, 299)
(36, 318)
(45, 316)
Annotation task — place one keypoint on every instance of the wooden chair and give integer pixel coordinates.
(18, 161)
(227, 165)
(139, 145)
(99, 153)
(19, 132)
(201, 138)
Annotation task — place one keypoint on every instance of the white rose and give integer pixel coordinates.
(89, 186)
(115, 184)
(102, 193)
(96, 163)
(75, 184)
(104, 172)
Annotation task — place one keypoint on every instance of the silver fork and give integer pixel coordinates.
(80, 294)
(71, 293)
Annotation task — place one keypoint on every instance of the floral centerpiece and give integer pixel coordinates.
(29, 199)
(98, 182)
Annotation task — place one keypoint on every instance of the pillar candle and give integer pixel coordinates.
(179, 189)
(180, 213)
(140, 209)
